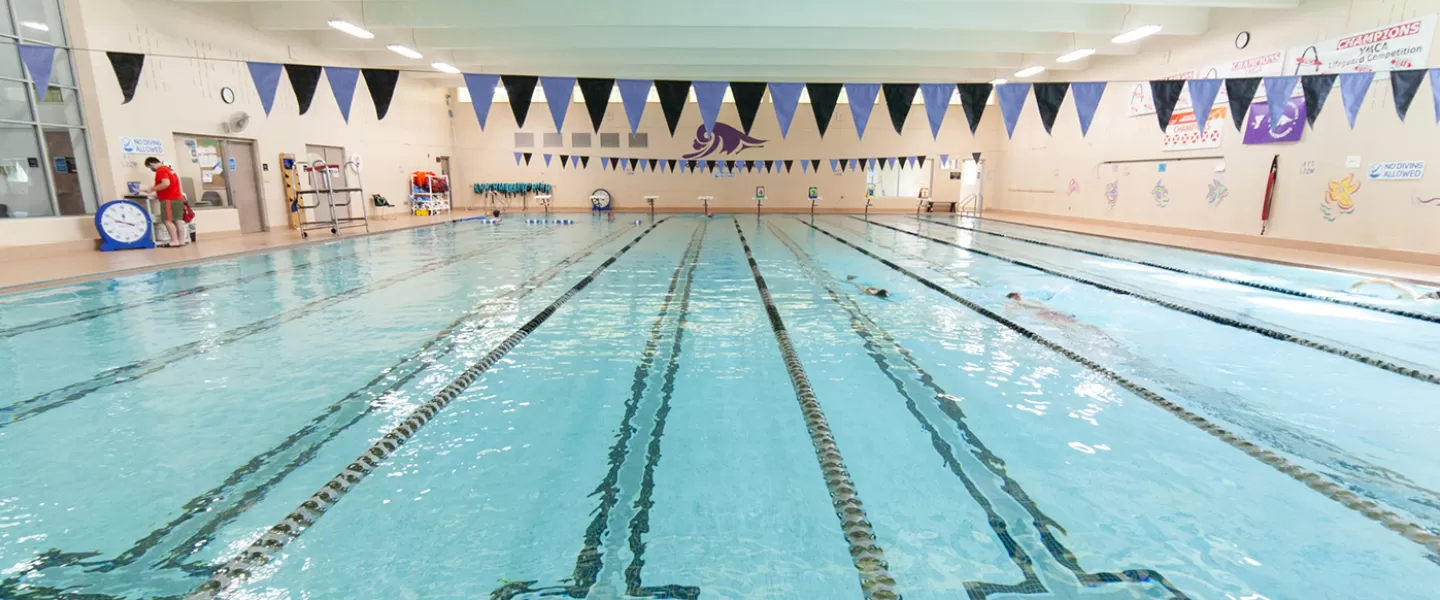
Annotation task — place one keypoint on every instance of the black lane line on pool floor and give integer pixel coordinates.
(591, 559)
(259, 552)
(865, 550)
(389, 380)
(47, 401)
(1325, 487)
(1259, 286)
(1194, 312)
(876, 339)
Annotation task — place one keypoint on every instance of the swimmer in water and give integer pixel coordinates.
(1040, 310)
(873, 291)
(1406, 292)
(496, 214)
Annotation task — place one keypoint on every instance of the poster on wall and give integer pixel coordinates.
(1184, 133)
(1403, 45)
(1291, 126)
(1414, 169)
(1256, 66)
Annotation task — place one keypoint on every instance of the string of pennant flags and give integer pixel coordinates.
(785, 96)
(772, 166)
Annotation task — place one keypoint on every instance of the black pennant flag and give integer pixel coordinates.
(673, 96)
(1048, 98)
(381, 83)
(634, 164)
(710, 164)
(920, 160)
(843, 162)
(564, 158)
(1166, 93)
(1404, 84)
(672, 164)
(597, 97)
(729, 166)
(750, 165)
(788, 165)
(584, 162)
(653, 162)
(1242, 93)
(972, 98)
(304, 79)
(769, 165)
(527, 156)
(823, 97)
(815, 165)
(1317, 90)
(747, 101)
(521, 90)
(127, 70)
(690, 164)
(899, 97)
(864, 164)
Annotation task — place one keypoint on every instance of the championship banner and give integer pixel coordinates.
(1404, 45)
(1184, 133)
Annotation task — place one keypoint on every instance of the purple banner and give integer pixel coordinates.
(1289, 129)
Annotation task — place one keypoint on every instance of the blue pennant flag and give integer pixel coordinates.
(634, 93)
(1277, 96)
(558, 93)
(342, 84)
(804, 166)
(944, 159)
(547, 160)
(1012, 101)
(1435, 91)
(1353, 87)
(1087, 98)
(862, 103)
(937, 100)
(1202, 98)
(709, 95)
(482, 94)
(40, 60)
(912, 160)
(834, 165)
(854, 163)
(604, 162)
(785, 97)
(517, 158)
(267, 80)
(893, 160)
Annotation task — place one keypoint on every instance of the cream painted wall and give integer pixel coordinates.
(183, 95)
(488, 157)
(1037, 169)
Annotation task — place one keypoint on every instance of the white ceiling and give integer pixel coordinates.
(800, 40)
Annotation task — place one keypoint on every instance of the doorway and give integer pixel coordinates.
(218, 172)
(69, 192)
(244, 185)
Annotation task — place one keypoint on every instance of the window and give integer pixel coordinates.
(903, 181)
(609, 140)
(200, 165)
(524, 140)
(580, 140)
(639, 140)
(553, 140)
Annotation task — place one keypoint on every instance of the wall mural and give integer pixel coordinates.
(725, 140)
(1074, 187)
(1112, 192)
(1340, 197)
(1160, 193)
(1218, 192)
(1421, 201)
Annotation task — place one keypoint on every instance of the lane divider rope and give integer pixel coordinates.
(1214, 318)
(259, 552)
(1260, 286)
(865, 551)
(1325, 487)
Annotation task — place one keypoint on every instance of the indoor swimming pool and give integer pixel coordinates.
(721, 408)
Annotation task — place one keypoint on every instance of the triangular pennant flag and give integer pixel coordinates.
(1202, 97)
(862, 103)
(596, 93)
(729, 166)
(865, 163)
(973, 97)
(547, 160)
(709, 95)
(1048, 98)
(558, 93)
(910, 161)
(1317, 90)
(564, 160)
(690, 164)
(789, 164)
(128, 65)
(1087, 99)
(634, 164)
(945, 158)
(1404, 84)
(920, 160)
(893, 160)
(834, 165)
(604, 163)
(40, 61)
(634, 93)
(584, 162)
(815, 165)
(1277, 96)
(1012, 101)
(853, 163)
(672, 164)
(521, 90)
(1353, 87)
(749, 165)
(843, 163)
(785, 97)
(642, 165)
(1435, 92)
(937, 100)
(1241, 92)
(899, 97)
(652, 163)
(381, 83)
(682, 166)
(528, 156)
(342, 85)
(659, 167)
(804, 166)
(267, 80)
(823, 97)
(673, 96)
(747, 96)
(482, 94)
(517, 158)
(1166, 93)
(710, 164)
(769, 165)
(304, 79)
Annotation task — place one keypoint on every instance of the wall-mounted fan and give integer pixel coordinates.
(237, 122)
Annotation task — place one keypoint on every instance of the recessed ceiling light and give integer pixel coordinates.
(34, 25)
(444, 68)
(1000, 81)
(1075, 55)
(1028, 71)
(352, 29)
(1136, 34)
(404, 51)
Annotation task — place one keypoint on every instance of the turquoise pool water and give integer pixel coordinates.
(609, 410)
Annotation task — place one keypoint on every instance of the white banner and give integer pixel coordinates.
(1404, 45)
(1184, 133)
(1256, 66)
(1414, 169)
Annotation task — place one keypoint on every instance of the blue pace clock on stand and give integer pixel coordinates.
(123, 225)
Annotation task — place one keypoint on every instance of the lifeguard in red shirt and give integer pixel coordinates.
(172, 201)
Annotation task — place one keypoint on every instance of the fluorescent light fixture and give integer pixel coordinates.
(444, 68)
(1028, 71)
(352, 29)
(1000, 81)
(404, 51)
(1137, 34)
(1075, 55)
(35, 25)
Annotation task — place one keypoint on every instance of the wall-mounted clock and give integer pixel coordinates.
(227, 95)
(1242, 40)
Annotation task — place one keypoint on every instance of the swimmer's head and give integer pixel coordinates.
(882, 294)
(1013, 295)
(849, 278)
(495, 213)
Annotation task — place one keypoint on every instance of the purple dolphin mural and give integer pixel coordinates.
(725, 140)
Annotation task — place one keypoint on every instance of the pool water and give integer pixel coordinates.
(714, 408)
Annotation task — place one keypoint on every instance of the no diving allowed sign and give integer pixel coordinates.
(1414, 169)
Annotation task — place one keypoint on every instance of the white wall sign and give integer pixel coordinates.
(139, 145)
(1414, 169)
(1404, 45)
(1184, 133)
(1256, 66)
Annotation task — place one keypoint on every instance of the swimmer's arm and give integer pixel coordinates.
(1403, 289)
